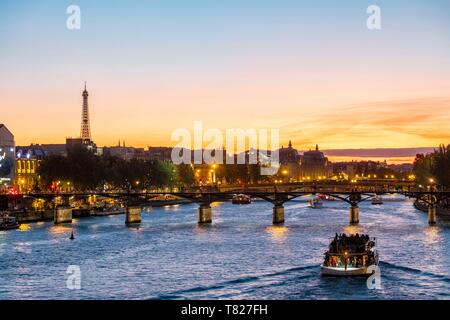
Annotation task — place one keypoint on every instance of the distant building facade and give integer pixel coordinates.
(52, 149)
(7, 158)
(27, 163)
(80, 142)
(123, 152)
(315, 166)
(295, 167)
(159, 153)
(290, 164)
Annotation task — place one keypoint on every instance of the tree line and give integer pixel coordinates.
(433, 168)
(85, 171)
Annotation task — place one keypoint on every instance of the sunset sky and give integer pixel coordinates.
(309, 68)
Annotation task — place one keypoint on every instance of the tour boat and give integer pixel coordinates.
(316, 203)
(350, 256)
(241, 199)
(377, 200)
(326, 197)
(8, 223)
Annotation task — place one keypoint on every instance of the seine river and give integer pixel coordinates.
(240, 256)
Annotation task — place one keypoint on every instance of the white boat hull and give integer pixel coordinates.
(342, 272)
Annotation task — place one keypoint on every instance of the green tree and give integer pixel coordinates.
(435, 165)
(440, 165)
(163, 174)
(185, 174)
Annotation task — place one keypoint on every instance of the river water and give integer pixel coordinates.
(239, 256)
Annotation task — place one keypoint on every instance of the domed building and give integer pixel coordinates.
(315, 166)
(295, 167)
(290, 159)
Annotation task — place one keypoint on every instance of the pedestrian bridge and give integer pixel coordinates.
(204, 198)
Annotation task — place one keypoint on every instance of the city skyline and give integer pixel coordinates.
(329, 81)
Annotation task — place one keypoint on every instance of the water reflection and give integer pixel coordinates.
(352, 229)
(173, 208)
(23, 247)
(205, 231)
(60, 229)
(277, 233)
(432, 234)
(24, 227)
(201, 229)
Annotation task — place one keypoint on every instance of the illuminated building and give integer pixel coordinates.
(290, 160)
(7, 158)
(315, 166)
(27, 162)
(311, 166)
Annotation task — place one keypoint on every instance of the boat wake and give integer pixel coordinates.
(181, 294)
(415, 271)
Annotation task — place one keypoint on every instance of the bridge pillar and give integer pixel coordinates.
(3, 203)
(354, 214)
(133, 215)
(204, 213)
(65, 201)
(278, 214)
(62, 215)
(432, 214)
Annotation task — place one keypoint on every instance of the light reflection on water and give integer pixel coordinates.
(277, 233)
(432, 235)
(60, 229)
(241, 255)
(24, 227)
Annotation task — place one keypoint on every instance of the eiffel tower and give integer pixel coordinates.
(85, 126)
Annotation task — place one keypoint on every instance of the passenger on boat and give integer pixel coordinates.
(352, 243)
